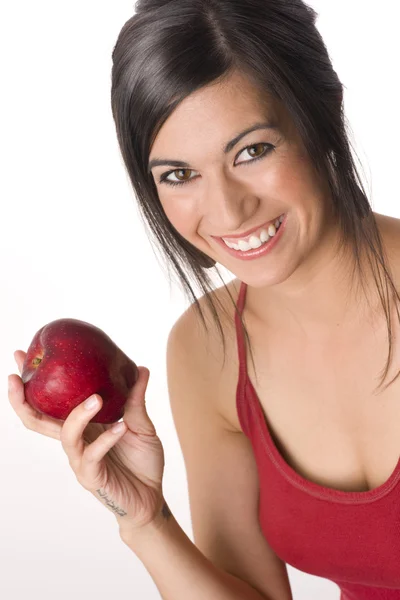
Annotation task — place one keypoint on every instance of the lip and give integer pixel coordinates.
(257, 252)
(247, 233)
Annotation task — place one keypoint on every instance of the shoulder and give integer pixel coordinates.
(389, 228)
(196, 353)
(216, 306)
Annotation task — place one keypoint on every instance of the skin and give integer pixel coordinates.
(303, 305)
(304, 283)
(123, 470)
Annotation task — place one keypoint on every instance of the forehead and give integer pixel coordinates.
(213, 113)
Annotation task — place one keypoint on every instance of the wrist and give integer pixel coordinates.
(133, 533)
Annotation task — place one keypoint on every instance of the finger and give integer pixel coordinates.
(90, 470)
(72, 431)
(135, 414)
(31, 418)
(19, 357)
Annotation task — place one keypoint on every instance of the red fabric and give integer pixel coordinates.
(350, 538)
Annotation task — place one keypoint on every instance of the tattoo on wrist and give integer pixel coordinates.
(110, 503)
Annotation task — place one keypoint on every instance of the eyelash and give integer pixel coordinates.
(269, 148)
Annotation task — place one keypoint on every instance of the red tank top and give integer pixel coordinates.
(350, 538)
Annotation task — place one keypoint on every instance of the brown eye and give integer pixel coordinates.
(178, 180)
(187, 171)
(256, 152)
(259, 149)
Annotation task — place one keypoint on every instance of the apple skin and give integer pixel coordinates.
(69, 360)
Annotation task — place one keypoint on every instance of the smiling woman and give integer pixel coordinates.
(286, 212)
(286, 99)
(230, 121)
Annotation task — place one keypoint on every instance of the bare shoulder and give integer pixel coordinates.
(191, 328)
(389, 228)
(200, 344)
(390, 224)
(223, 493)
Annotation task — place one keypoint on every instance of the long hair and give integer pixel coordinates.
(171, 48)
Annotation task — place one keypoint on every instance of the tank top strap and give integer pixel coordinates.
(241, 296)
(239, 329)
(241, 402)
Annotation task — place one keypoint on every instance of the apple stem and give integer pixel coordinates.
(36, 361)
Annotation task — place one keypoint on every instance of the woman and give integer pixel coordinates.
(230, 121)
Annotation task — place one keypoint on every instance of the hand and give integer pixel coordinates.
(122, 470)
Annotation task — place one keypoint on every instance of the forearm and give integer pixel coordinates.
(178, 568)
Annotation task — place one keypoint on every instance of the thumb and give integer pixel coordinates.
(135, 413)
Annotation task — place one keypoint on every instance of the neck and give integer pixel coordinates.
(323, 297)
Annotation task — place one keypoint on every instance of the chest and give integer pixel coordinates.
(325, 414)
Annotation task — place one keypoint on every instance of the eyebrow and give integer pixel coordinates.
(158, 162)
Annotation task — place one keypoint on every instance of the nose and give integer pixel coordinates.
(228, 205)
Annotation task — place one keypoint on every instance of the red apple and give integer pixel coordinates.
(69, 360)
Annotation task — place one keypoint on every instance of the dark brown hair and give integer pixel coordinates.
(171, 48)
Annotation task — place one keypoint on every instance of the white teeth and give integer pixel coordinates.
(243, 246)
(254, 241)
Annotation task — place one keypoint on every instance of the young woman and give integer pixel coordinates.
(283, 384)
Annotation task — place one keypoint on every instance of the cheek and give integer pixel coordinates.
(181, 214)
(293, 178)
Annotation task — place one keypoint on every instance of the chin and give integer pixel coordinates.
(263, 281)
(274, 274)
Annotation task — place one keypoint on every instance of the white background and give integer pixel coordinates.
(73, 245)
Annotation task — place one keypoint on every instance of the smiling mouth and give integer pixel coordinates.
(256, 238)
(256, 248)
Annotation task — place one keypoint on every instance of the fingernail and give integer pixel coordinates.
(118, 427)
(91, 402)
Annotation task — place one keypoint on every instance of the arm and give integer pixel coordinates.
(178, 568)
(231, 558)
